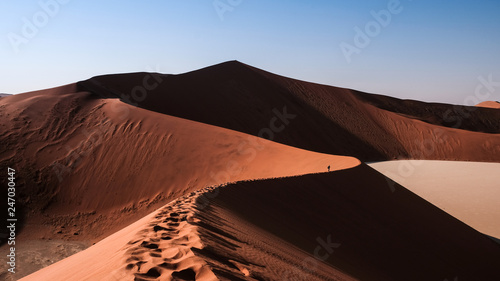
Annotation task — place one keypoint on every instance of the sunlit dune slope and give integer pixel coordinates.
(325, 118)
(89, 166)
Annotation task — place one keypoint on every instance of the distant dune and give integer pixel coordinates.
(489, 104)
(4, 95)
(136, 163)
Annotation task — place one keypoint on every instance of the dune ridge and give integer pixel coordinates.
(337, 121)
(55, 138)
(158, 246)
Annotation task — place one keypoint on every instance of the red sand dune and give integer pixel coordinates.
(344, 225)
(489, 104)
(116, 162)
(334, 120)
(375, 233)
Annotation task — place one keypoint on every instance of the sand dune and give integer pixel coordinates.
(335, 120)
(133, 245)
(90, 166)
(116, 159)
(469, 118)
(344, 225)
(468, 191)
(489, 104)
(167, 245)
(373, 233)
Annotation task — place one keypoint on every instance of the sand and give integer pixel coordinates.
(468, 191)
(34, 255)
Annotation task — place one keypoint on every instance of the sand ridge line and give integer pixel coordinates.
(163, 250)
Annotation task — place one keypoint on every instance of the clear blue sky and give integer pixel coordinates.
(430, 50)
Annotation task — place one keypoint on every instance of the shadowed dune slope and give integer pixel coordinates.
(321, 118)
(356, 220)
(88, 166)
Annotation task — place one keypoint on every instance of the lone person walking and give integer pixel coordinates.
(328, 168)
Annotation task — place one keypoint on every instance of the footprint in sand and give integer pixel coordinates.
(162, 251)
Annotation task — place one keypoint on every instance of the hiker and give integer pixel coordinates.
(328, 168)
